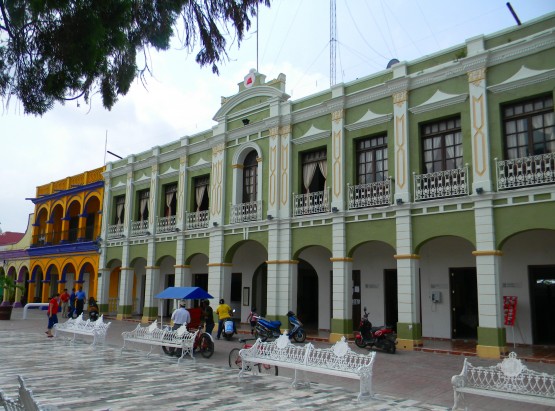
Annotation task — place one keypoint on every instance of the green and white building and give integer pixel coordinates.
(424, 192)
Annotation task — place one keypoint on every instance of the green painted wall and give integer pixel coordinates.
(138, 251)
(113, 253)
(310, 101)
(234, 241)
(427, 227)
(515, 219)
(308, 236)
(196, 246)
(166, 248)
(368, 82)
(361, 232)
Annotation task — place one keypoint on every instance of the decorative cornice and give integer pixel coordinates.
(523, 47)
(282, 262)
(238, 166)
(312, 134)
(219, 265)
(341, 259)
(218, 148)
(368, 120)
(152, 267)
(439, 100)
(523, 78)
(487, 253)
(406, 257)
(200, 164)
(183, 266)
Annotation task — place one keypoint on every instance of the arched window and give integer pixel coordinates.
(250, 177)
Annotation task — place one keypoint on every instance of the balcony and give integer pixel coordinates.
(139, 228)
(441, 184)
(311, 203)
(72, 235)
(166, 224)
(370, 195)
(525, 171)
(196, 219)
(244, 212)
(115, 231)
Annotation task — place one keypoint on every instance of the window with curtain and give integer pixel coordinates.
(201, 186)
(144, 197)
(315, 171)
(371, 160)
(442, 145)
(120, 209)
(529, 128)
(250, 177)
(170, 199)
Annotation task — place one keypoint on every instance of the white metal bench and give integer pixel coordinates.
(25, 402)
(97, 329)
(338, 360)
(152, 335)
(510, 380)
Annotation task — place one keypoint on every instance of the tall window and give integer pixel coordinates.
(442, 145)
(529, 128)
(170, 199)
(315, 171)
(144, 197)
(250, 177)
(201, 185)
(120, 209)
(371, 160)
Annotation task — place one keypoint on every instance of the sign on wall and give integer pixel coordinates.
(509, 307)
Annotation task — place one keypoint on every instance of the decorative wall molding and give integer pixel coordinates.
(312, 134)
(523, 78)
(368, 120)
(439, 100)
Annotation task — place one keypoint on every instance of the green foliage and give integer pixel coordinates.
(59, 50)
(8, 284)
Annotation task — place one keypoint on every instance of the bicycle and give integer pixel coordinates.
(203, 344)
(236, 361)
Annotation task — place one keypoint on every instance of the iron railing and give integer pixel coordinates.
(311, 203)
(166, 224)
(196, 219)
(441, 184)
(525, 171)
(139, 228)
(244, 212)
(370, 194)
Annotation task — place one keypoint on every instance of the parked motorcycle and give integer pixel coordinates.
(265, 329)
(382, 337)
(229, 328)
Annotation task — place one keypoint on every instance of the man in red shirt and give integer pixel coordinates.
(53, 313)
(64, 299)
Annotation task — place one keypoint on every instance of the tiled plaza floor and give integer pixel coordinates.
(74, 377)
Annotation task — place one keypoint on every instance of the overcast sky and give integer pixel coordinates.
(182, 98)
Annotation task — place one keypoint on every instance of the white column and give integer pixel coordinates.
(182, 190)
(183, 276)
(285, 172)
(336, 175)
(217, 185)
(150, 311)
(281, 269)
(274, 185)
(125, 292)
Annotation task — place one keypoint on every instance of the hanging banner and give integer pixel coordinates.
(509, 305)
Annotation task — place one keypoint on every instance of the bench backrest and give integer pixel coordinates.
(26, 396)
(509, 376)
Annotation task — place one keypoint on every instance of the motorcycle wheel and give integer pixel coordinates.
(389, 346)
(235, 360)
(228, 336)
(206, 346)
(299, 336)
(263, 335)
(168, 350)
(267, 369)
(360, 342)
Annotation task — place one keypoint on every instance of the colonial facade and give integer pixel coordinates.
(64, 244)
(424, 192)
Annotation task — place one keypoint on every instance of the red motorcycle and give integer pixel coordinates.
(383, 337)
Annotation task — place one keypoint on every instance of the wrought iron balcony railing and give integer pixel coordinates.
(370, 195)
(196, 219)
(525, 171)
(441, 184)
(166, 224)
(311, 203)
(115, 231)
(139, 228)
(244, 212)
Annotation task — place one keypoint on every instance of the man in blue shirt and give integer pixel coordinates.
(80, 297)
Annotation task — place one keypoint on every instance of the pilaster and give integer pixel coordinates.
(150, 311)
(282, 271)
(285, 174)
(337, 159)
(400, 118)
(217, 185)
(125, 305)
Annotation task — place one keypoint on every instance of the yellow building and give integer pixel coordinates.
(66, 236)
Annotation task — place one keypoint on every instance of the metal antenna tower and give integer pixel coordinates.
(333, 42)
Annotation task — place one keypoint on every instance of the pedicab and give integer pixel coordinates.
(204, 342)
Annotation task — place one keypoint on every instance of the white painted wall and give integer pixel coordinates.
(436, 257)
(520, 251)
(372, 259)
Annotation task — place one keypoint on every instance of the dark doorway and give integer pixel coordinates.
(390, 297)
(307, 295)
(260, 289)
(356, 299)
(170, 282)
(542, 303)
(464, 303)
(201, 280)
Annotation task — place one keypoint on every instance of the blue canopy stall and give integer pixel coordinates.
(181, 293)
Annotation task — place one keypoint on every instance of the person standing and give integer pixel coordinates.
(180, 316)
(208, 316)
(64, 299)
(224, 312)
(71, 303)
(80, 297)
(53, 313)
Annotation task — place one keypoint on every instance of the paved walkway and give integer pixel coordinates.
(74, 377)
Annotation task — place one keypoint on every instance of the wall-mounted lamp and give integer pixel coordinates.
(399, 201)
(215, 223)
(246, 121)
(335, 210)
(479, 190)
(270, 217)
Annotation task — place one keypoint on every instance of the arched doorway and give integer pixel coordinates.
(260, 289)
(307, 295)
